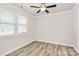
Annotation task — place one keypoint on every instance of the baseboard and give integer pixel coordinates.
(57, 43)
(76, 50)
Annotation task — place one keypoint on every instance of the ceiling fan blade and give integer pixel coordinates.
(35, 6)
(47, 11)
(51, 6)
(38, 11)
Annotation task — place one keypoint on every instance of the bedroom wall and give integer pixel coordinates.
(10, 43)
(55, 28)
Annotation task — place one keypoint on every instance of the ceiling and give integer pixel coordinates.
(60, 7)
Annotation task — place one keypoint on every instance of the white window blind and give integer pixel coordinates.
(7, 18)
(6, 23)
(22, 24)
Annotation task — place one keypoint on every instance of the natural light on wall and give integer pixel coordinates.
(9, 22)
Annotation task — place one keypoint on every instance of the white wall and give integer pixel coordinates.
(55, 28)
(13, 42)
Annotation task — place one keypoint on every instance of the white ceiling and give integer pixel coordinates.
(60, 7)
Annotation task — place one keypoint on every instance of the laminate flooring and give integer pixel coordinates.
(38, 48)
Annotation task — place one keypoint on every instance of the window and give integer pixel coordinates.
(11, 23)
(6, 23)
(22, 24)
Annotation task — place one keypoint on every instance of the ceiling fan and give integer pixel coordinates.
(43, 7)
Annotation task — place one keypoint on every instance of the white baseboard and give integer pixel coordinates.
(76, 49)
(59, 43)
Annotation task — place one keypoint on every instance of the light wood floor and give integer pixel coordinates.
(37, 48)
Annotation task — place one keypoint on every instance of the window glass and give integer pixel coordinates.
(6, 29)
(21, 20)
(7, 18)
(21, 29)
(22, 24)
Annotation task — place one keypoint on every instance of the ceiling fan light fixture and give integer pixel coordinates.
(43, 9)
